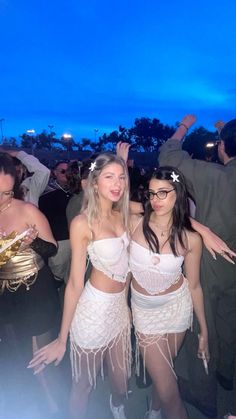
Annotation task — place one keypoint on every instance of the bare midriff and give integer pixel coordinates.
(105, 284)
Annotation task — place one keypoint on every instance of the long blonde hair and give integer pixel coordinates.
(91, 199)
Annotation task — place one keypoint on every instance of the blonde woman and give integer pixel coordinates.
(96, 315)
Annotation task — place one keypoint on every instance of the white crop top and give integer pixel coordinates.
(153, 271)
(110, 256)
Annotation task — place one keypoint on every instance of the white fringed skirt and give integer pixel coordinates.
(101, 322)
(156, 316)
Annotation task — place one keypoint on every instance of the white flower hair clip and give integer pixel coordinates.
(174, 177)
(92, 166)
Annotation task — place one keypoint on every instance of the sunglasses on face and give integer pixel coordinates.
(62, 171)
(160, 194)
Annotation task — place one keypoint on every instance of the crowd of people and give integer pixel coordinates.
(100, 250)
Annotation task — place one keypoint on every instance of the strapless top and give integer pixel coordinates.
(110, 256)
(153, 271)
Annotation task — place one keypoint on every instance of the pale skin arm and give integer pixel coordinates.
(55, 351)
(38, 220)
(212, 242)
(122, 150)
(192, 272)
(186, 122)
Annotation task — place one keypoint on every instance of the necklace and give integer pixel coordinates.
(67, 192)
(6, 207)
(163, 232)
(163, 229)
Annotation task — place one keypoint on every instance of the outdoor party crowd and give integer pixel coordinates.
(108, 270)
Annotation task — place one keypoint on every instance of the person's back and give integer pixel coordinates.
(213, 188)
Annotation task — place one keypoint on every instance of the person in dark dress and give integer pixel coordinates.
(29, 304)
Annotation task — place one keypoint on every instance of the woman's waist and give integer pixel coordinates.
(140, 287)
(22, 265)
(104, 283)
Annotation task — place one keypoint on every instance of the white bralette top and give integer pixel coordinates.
(153, 271)
(110, 256)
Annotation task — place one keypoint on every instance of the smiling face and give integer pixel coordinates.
(111, 182)
(162, 206)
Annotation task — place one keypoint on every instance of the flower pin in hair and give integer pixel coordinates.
(174, 177)
(92, 166)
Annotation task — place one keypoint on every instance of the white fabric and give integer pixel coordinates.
(99, 317)
(155, 317)
(154, 272)
(162, 314)
(110, 256)
(101, 321)
(35, 184)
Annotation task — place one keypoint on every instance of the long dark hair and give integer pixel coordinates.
(180, 215)
(8, 168)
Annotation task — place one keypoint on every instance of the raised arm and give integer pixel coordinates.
(36, 183)
(186, 122)
(55, 351)
(122, 150)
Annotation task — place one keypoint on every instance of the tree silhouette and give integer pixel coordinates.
(195, 142)
(148, 134)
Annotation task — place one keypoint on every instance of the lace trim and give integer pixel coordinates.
(154, 282)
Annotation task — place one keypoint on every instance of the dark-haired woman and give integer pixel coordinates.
(162, 297)
(29, 305)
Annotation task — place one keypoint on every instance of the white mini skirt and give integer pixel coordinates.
(100, 322)
(157, 316)
(162, 314)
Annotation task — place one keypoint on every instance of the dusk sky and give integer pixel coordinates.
(97, 64)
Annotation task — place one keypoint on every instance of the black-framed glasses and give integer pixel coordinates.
(159, 194)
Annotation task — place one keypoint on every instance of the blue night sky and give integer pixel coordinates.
(82, 65)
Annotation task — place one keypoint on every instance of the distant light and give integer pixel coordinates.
(67, 136)
(30, 131)
(210, 145)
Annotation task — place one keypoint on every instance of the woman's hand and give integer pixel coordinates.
(203, 351)
(31, 235)
(122, 150)
(215, 244)
(53, 352)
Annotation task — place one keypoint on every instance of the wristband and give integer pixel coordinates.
(184, 125)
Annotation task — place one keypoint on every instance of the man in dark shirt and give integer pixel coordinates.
(53, 204)
(213, 188)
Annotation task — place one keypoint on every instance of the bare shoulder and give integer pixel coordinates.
(27, 208)
(194, 240)
(79, 224)
(135, 220)
(135, 208)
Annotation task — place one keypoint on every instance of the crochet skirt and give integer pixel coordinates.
(156, 316)
(101, 324)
